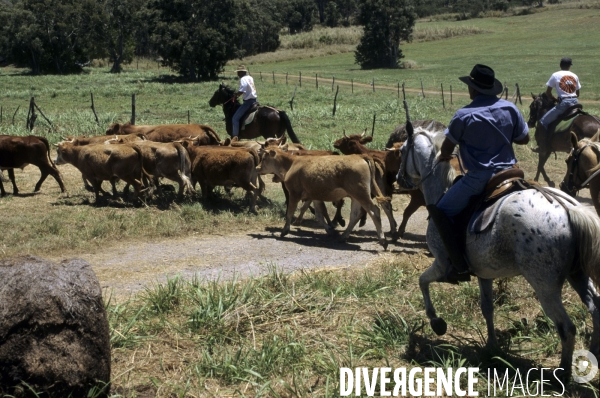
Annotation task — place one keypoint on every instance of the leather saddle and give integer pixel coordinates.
(248, 117)
(498, 187)
(565, 120)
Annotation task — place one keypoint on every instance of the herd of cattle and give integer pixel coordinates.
(191, 153)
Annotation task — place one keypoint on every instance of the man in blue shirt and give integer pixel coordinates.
(484, 130)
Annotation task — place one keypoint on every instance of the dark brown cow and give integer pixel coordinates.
(18, 152)
(222, 166)
(100, 162)
(205, 135)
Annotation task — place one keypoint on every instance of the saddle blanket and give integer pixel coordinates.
(484, 218)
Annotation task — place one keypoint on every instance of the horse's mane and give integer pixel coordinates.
(437, 138)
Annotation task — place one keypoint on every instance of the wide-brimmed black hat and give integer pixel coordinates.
(483, 80)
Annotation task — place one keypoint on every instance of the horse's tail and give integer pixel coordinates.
(288, 126)
(586, 227)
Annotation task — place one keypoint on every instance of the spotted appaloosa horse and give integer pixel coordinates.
(545, 242)
(584, 126)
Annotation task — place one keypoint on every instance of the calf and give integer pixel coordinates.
(222, 166)
(18, 152)
(99, 162)
(326, 179)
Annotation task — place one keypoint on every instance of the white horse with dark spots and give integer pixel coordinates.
(543, 241)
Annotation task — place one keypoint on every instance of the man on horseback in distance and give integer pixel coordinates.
(567, 86)
(484, 130)
(248, 91)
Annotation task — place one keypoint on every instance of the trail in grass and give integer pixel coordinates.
(128, 268)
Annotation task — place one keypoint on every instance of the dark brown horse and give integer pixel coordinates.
(268, 122)
(584, 126)
(583, 165)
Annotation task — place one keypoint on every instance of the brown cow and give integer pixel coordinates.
(18, 152)
(166, 159)
(205, 135)
(99, 162)
(327, 179)
(222, 166)
(102, 139)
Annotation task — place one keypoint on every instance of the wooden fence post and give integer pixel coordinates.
(505, 92)
(373, 84)
(0, 114)
(443, 101)
(403, 92)
(518, 94)
(332, 83)
(451, 94)
(292, 100)
(14, 114)
(335, 100)
(132, 108)
(300, 79)
(188, 116)
(398, 89)
(422, 91)
(94, 109)
(317, 81)
(352, 83)
(373, 128)
(273, 77)
(260, 73)
(31, 116)
(286, 78)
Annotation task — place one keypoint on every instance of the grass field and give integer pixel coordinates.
(285, 335)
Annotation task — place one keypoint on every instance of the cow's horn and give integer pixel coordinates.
(345, 133)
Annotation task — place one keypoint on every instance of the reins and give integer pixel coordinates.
(576, 155)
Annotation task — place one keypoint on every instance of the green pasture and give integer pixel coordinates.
(282, 335)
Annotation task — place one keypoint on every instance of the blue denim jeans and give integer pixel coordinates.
(457, 197)
(555, 112)
(238, 115)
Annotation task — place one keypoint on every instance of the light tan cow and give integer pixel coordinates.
(327, 179)
(100, 162)
(166, 159)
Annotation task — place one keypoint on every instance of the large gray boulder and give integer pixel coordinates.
(54, 333)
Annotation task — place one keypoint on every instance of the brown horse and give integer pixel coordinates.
(583, 169)
(584, 126)
(268, 122)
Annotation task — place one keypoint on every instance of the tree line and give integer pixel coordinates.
(196, 38)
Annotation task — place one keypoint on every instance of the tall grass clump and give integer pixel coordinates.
(321, 37)
(422, 34)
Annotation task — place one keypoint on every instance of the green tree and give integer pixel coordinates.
(51, 35)
(386, 23)
(120, 20)
(196, 37)
(300, 15)
(261, 26)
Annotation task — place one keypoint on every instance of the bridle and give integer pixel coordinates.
(571, 186)
(403, 177)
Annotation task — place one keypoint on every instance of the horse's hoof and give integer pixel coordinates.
(283, 234)
(439, 326)
(551, 184)
(384, 244)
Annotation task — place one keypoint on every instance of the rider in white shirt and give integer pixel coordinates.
(567, 86)
(248, 91)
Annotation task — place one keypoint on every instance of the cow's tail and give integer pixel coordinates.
(145, 179)
(45, 141)
(288, 127)
(212, 134)
(185, 167)
(374, 187)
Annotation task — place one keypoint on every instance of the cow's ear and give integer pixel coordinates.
(272, 152)
(533, 96)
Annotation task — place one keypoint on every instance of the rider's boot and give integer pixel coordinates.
(459, 270)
